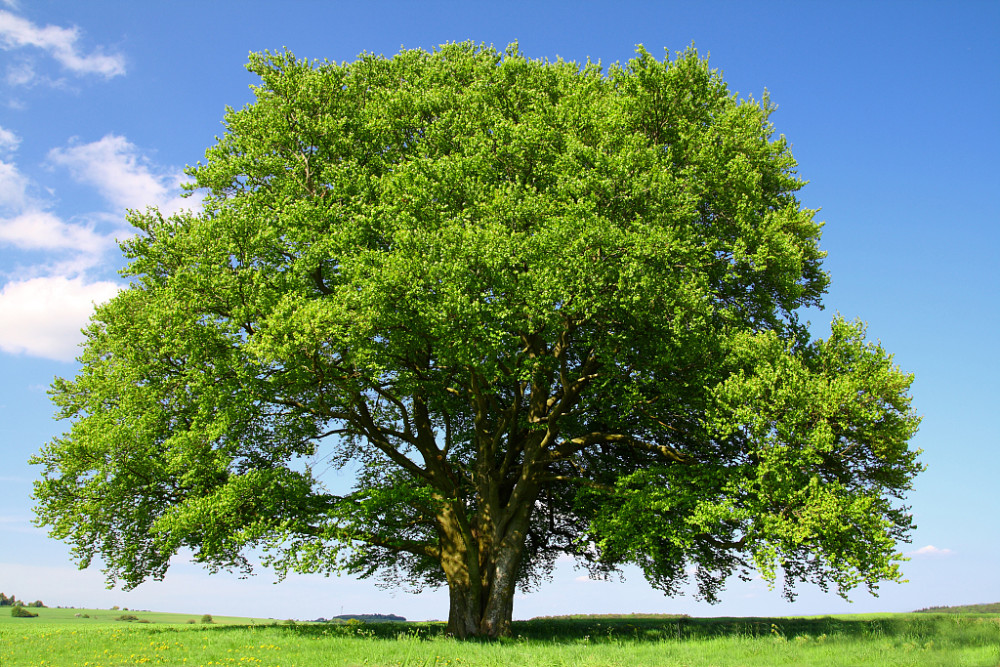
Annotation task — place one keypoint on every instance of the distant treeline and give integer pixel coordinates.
(12, 601)
(597, 617)
(370, 618)
(991, 608)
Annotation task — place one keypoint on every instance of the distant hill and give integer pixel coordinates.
(991, 608)
(371, 618)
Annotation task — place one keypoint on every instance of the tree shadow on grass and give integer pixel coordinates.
(963, 630)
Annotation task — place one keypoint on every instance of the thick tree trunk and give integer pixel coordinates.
(483, 611)
(499, 608)
(464, 610)
(482, 578)
(460, 562)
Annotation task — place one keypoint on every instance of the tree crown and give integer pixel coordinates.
(533, 303)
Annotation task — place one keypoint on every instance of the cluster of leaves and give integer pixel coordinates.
(542, 308)
(17, 611)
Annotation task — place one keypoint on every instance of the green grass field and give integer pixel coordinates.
(58, 637)
(94, 617)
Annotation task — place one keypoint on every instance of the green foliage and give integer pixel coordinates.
(207, 618)
(12, 601)
(17, 611)
(127, 617)
(543, 309)
(371, 618)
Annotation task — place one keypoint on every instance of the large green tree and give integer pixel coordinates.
(540, 309)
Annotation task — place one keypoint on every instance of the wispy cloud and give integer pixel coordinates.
(13, 188)
(26, 224)
(124, 178)
(930, 551)
(23, 74)
(60, 43)
(8, 141)
(41, 230)
(46, 303)
(17, 524)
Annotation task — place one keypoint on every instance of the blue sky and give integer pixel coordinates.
(892, 112)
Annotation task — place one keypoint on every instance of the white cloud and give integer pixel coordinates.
(43, 316)
(40, 230)
(13, 188)
(50, 297)
(60, 43)
(26, 225)
(8, 141)
(44, 308)
(114, 166)
(23, 73)
(930, 551)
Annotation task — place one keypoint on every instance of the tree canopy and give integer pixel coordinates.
(539, 308)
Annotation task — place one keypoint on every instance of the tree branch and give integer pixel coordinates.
(570, 447)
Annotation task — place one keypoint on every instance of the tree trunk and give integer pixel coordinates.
(482, 578)
(463, 610)
(483, 611)
(499, 608)
(460, 562)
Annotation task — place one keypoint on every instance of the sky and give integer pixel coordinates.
(892, 112)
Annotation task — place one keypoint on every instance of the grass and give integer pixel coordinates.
(97, 616)
(878, 640)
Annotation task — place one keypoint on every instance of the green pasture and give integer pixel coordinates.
(60, 638)
(90, 617)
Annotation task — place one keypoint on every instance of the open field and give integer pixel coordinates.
(971, 640)
(91, 617)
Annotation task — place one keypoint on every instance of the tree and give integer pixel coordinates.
(12, 601)
(17, 611)
(538, 308)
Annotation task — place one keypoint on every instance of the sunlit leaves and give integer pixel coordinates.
(539, 307)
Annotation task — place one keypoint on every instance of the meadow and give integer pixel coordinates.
(59, 637)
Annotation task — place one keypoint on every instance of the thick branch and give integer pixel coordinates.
(375, 435)
(409, 546)
(582, 481)
(569, 447)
